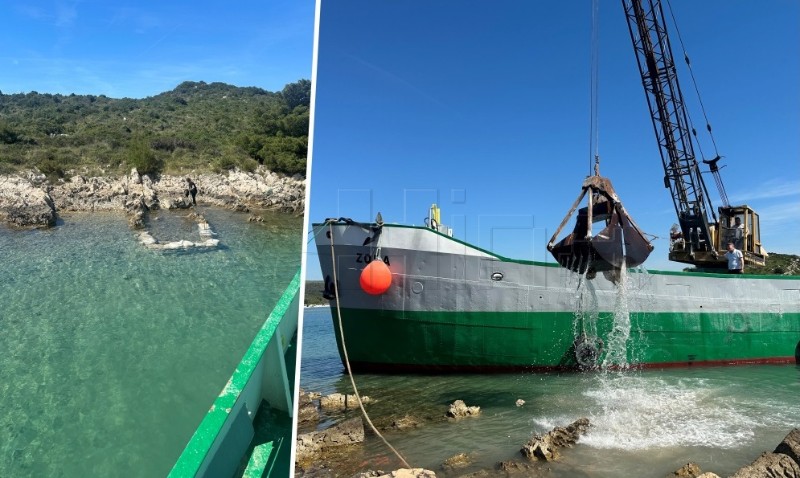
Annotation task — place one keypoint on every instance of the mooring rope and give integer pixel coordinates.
(347, 360)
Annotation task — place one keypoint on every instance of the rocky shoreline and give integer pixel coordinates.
(30, 200)
(334, 445)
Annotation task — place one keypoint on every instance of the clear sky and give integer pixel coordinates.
(141, 48)
(484, 109)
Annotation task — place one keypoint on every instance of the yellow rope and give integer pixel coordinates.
(347, 361)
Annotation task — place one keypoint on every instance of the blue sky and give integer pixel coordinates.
(484, 109)
(141, 48)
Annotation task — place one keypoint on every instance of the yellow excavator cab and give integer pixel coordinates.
(740, 225)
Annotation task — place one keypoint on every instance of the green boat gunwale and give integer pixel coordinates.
(201, 444)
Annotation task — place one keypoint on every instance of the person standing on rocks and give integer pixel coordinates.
(192, 190)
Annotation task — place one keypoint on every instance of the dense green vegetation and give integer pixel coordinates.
(197, 126)
(314, 289)
(777, 264)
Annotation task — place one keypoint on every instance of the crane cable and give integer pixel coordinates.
(594, 130)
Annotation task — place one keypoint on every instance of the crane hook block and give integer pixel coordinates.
(619, 244)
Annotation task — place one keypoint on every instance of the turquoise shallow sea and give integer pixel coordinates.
(111, 354)
(645, 423)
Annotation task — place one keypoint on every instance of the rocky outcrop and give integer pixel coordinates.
(770, 465)
(405, 422)
(306, 410)
(689, 470)
(29, 200)
(340, 402)
(790, 446)
(25, 201)
(460, 460)
(459, 409)
(784, 462)
(546, 447)
(311, 445)
(401, 473)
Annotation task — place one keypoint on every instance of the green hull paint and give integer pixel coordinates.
(461, 341)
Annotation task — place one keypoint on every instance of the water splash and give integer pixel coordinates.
(617, 344)
(635, 412)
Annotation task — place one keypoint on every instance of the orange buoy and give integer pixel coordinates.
(376, 278)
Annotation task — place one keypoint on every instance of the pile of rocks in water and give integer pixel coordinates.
(30, 200)
(322, 453)
(783, 462)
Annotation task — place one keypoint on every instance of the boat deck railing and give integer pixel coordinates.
(225, 443)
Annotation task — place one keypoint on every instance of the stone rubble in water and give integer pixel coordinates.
(546, 447)
(459, 409)
(784, 462)
(311, 446)
(460, 460)
(30, 200)
(401, 473)
(339, 402)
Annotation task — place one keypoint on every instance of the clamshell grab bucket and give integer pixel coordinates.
(619, 244)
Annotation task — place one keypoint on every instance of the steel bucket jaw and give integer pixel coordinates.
(619, 244)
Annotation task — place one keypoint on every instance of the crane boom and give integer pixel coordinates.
(700, 231)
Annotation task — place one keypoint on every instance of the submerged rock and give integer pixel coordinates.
(546, 447)
(516, 468)
(401, 473)
(405, 422)
(306, 410)
(311, 445)
(689, 470)
(459, 409)
(460, 460)
(339, 401)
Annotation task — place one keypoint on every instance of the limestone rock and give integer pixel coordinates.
(309, 445)
(27, 199)
(339, 402)
(401, 473)
(546, 447)
(689, 470)
(24, 203)
(405, 422)
(770, 465)
(459, 409)
(515, 468)
(790, 446)
(460, 460)
(306, 410)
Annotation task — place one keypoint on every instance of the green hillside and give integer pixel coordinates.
(777, 264)
(197, 126)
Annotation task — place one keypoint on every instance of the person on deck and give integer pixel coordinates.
(192, 190)
(738, 233)
(735, 259)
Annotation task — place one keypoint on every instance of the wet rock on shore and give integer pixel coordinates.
(29, 200)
